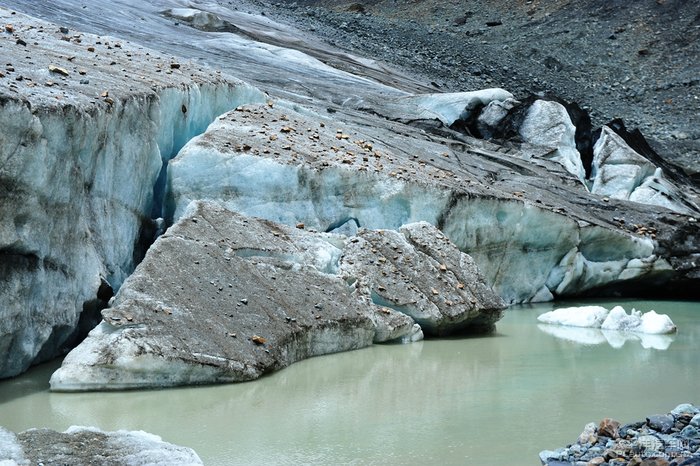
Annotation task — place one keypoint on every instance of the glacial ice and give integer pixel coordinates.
(548, 124)
(448, 107)
(81, 182)
(621, 173)
(525, 251)
(649, 323)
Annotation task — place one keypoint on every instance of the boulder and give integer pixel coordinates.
(88, 445)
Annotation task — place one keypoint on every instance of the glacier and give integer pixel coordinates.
(273, 162)
(88, 178)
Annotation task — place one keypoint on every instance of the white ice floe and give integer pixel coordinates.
(649, 323)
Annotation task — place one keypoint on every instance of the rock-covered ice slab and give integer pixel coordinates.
(88, 445)
(221, 297)
(649, 323)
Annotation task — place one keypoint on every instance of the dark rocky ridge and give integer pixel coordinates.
(632, 60)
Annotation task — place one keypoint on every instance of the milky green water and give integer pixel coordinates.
(495, 400)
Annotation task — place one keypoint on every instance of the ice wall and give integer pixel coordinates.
(77, 185)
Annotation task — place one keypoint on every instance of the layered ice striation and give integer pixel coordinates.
(281, 165)
(79, 168)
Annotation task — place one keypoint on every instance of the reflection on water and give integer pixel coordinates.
(486, 400)
(615, 338)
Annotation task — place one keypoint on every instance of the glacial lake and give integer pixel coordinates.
(491, 400)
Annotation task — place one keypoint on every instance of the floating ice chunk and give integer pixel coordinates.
(585, 316)
(649, 323)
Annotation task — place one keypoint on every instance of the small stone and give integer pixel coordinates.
(63, 30)
(695, 421)
(685, 408)
(21, 42)
(58, 70)
(588, 435)
(244, 301)
(258, 340)
(597, 461)
(661, 422)
(9, 28)
(300, 226)
(175, 66)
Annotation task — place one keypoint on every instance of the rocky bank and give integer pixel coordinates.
(671, 439)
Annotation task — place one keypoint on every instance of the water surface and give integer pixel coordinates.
(482, 400)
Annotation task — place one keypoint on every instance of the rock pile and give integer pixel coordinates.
(671, 439)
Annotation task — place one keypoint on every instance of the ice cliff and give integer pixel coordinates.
(81, 150)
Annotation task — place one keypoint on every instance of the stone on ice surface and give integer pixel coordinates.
(419, 272)
(548, 124)
(88, 445)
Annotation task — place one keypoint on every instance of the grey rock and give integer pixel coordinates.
(661, 422)
(695, 421)
(690, 432)
(88, 445)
